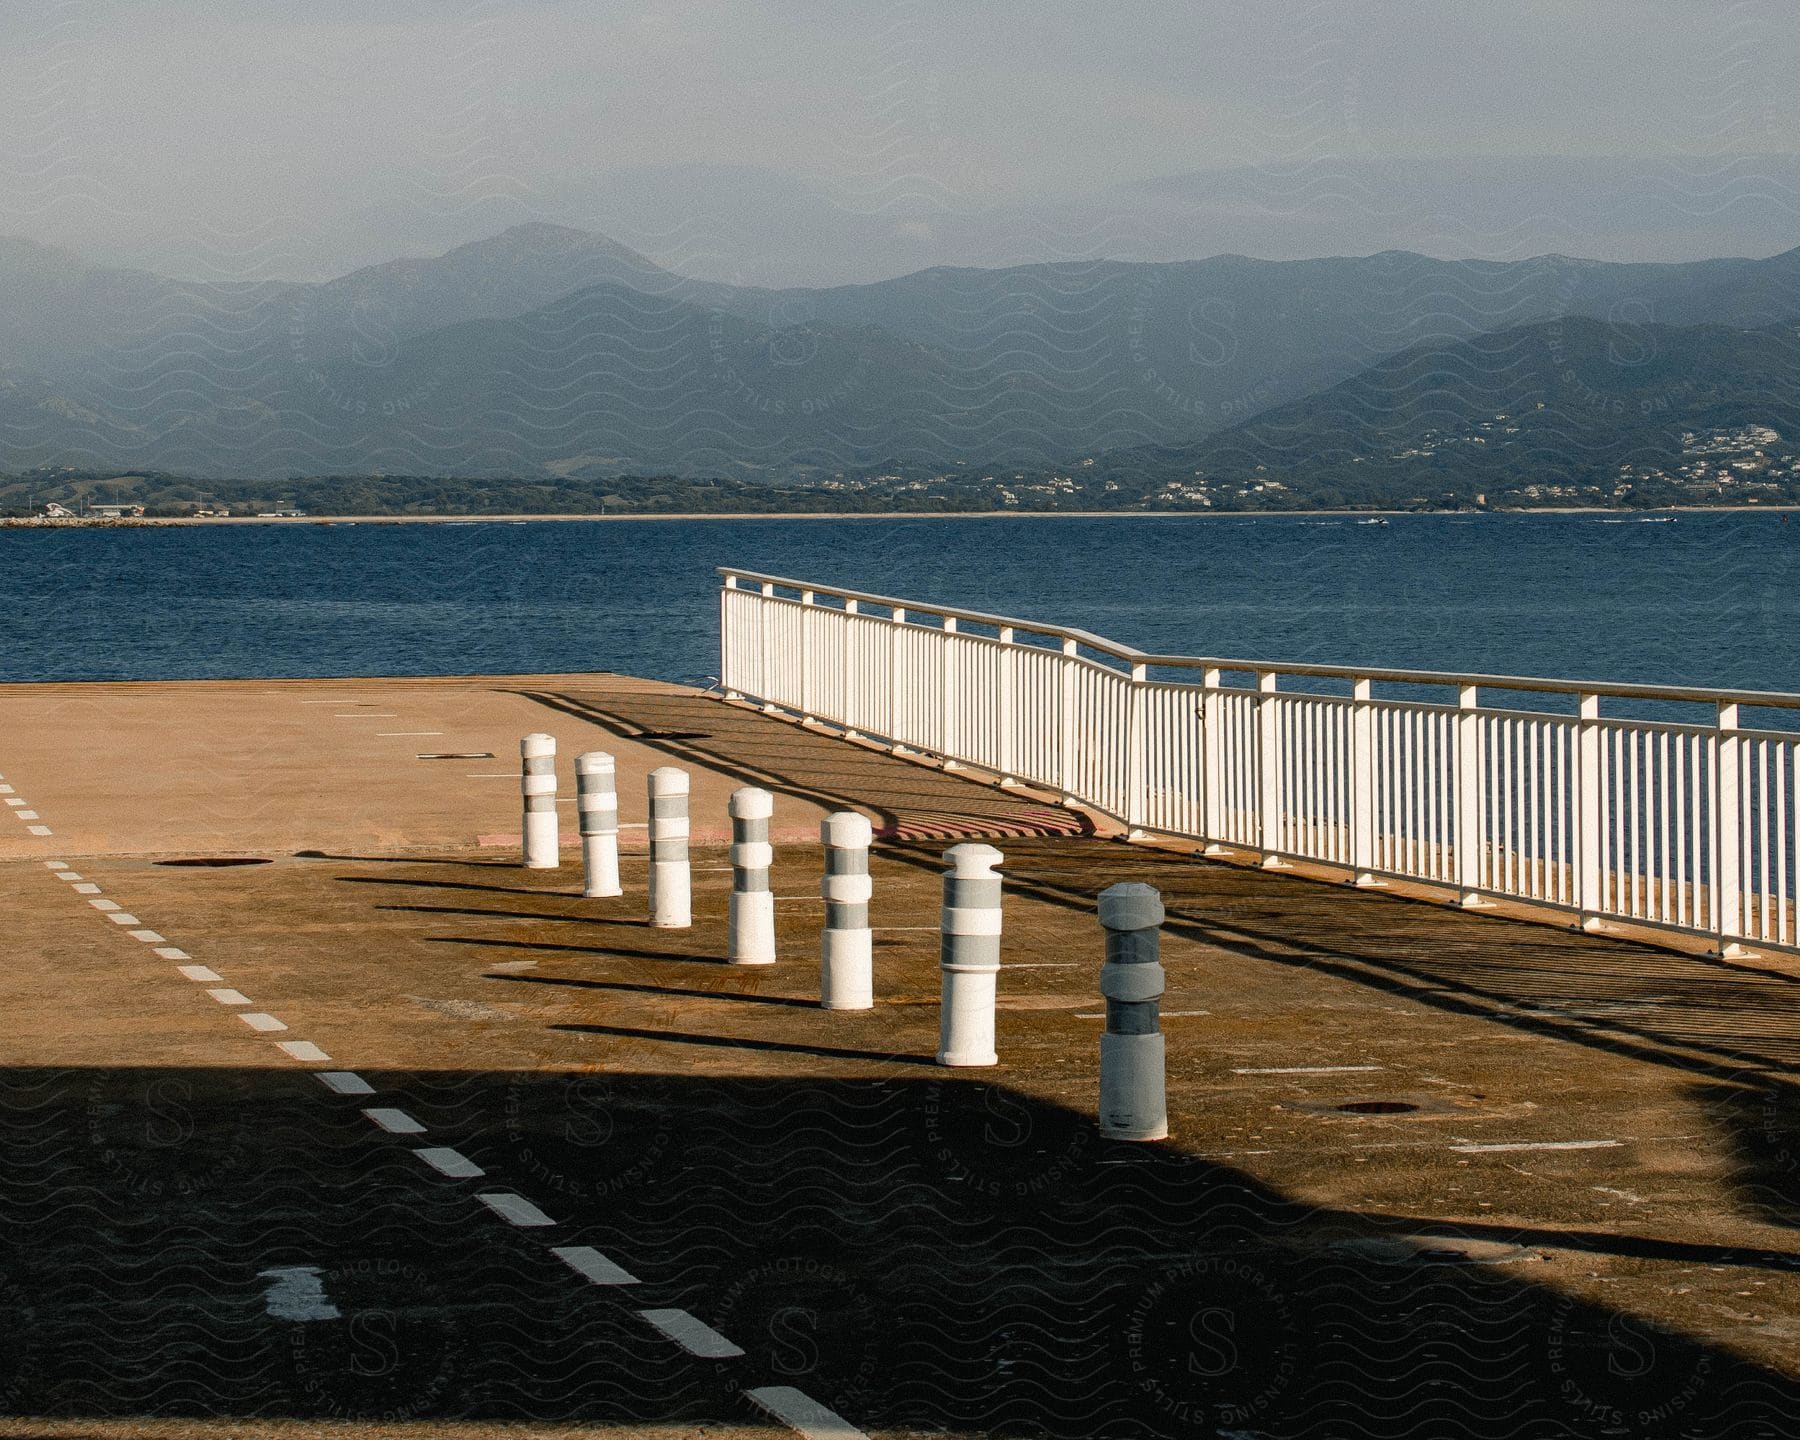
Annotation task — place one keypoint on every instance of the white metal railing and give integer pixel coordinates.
(1689, 826)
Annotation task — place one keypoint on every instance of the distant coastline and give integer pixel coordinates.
(145, 522)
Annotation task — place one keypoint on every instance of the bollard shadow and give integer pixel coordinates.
(754, 1046)
(416, 884)
(931, 1253)
(606, 952)
(671, 991)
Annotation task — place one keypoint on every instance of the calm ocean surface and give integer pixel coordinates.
(1706, 599)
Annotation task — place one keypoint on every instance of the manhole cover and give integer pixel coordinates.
(214, 862)
(1376, 1107)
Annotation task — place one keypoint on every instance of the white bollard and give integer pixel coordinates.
(597, 804)
(752, 903)
(846, 963)
(671, 905)
(537, 785)
(1133, 1085)
(969, 956)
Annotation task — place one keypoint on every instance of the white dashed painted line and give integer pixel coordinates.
(6, 789)
(16, 804)
(124, 917)
(104, 905)
(453, 1163)
(87, 887)
(40, 830)
(1309, 1070)
(68, 875)
(261, 1021)
(694, 1336)
(396, 1122)
(28, 815)
(297, 1294)
(1511, 1145)
(229, 997)
(586, 1260)
(514, 1208)
(345, 1082)
(302, 1050)
(149, 937)
(800, 1412)
(200, 974)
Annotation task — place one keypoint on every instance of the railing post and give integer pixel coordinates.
(1470, 833)
(1009, 679)
(1212, 760)
(1728, 858)
(950, 730)
(845, 687)
(1065, 729)
(768, 658)
(1268, 768)
(1362, 782)
(728, 650)
(1590, 877)
(808, 603)
(896, 678)
(1137, 781)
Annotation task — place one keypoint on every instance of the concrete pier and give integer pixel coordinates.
(384, 1132)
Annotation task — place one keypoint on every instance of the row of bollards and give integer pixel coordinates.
(1133, 1102)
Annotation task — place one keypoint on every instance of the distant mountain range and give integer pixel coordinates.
(546, 353)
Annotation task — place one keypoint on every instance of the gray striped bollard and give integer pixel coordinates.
(671, 903)
(969, 955)
(597, 807)
(1133, 1098)
(537, 788)
(846, 965)
(752, 904)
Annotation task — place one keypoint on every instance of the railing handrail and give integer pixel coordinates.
(1689, 694)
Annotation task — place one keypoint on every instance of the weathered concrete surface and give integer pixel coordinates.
(923, 1250)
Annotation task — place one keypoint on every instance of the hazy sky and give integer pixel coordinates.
(259, 137)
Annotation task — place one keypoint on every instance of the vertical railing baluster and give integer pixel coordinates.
(1066, 671)
(1009, 680)
(1470, 837)
(808, 604)
(949, 695)
(1212, 761)
(1268, 763)
(1588, 819)
(1728, 810)
(1137, 785)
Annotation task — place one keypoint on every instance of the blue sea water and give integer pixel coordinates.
(1702, 599)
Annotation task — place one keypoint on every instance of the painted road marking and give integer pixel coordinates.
(149, 937)
(1511, 1145)
(87, 887)
(514, 1208)
(201, 974)
(345, 1082)
(104, 905)
(799, 1411)
(586, 1260)
(40, 829)
(1308, 1070)
(28, 815)
(302, 1049)
(69, 875)
(16, 804)
(297, 1294)
(6, 789)
(395, 1122)
(262, 1021)
(229, 997)
(694, 1336)
(453, 1163)
(121, 917)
